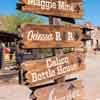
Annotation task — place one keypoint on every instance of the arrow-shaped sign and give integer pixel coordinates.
(39, 71)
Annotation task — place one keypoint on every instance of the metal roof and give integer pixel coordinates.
(8, 37)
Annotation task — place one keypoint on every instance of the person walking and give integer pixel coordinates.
(19, 60)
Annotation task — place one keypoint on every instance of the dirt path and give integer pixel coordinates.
(91, 77)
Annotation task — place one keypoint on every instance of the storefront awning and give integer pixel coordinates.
(8, 37)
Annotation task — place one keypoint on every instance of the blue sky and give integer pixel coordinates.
(91, 10)
(7, 7)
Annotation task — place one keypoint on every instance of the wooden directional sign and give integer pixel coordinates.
(61, 8)
(64, 91)
(39, 71)
(51, 36)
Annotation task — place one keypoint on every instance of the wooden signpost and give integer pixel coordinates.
(39, 71)
(51, 36)
(62, 91)
(56, 37)
(60, 8)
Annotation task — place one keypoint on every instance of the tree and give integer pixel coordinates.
(11, 22)
(28, 18)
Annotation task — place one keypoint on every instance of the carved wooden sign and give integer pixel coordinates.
(63, 8)
(39, 71)
(64, 91)
(51, 36)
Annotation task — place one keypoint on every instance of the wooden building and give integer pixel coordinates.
(7, 43)
(87, 29)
